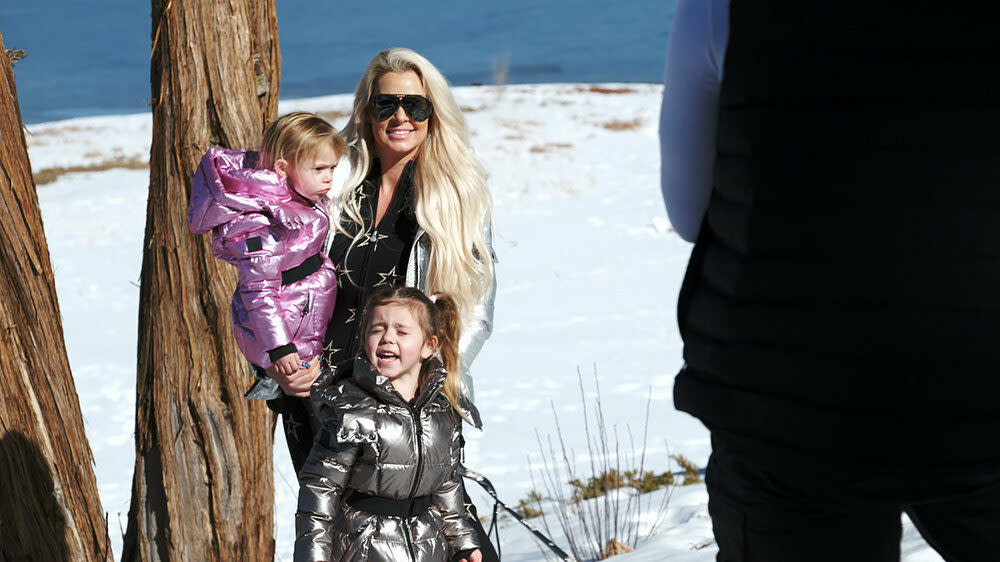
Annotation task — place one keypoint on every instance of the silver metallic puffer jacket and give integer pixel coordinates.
(376, 443)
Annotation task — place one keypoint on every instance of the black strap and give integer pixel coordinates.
(488, 486)
(305, 269)
(389, 507)
(460, 555)
(495, 529)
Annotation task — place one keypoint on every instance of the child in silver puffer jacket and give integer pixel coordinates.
(381, 482)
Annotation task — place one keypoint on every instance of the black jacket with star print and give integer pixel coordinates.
(378, 258)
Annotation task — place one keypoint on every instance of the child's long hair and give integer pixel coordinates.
(438, 317)
(295, 135)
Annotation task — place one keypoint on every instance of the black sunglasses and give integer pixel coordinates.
(384, 106)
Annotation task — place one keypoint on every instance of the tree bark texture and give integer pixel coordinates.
(49, 507)
(203, 482)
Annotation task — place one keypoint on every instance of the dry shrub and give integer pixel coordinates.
(60, 131)
(616, 547)
(517, 126)
(333, 114)
(607, 481)
(501, 67)
(549, 146)
(618, 125)
(600, 90)
(692, 474)
(607, 523)
(524, 507)
(49, 175)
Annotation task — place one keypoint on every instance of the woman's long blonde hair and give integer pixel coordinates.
(452, 199)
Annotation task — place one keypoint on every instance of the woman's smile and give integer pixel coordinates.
(399, 134)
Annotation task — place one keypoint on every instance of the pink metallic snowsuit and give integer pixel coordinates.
(275, 237)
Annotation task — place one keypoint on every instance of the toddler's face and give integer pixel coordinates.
(312, 176)
(395, 344)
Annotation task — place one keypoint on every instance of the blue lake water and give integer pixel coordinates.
(91, 58)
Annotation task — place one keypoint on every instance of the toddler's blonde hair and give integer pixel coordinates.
(297, 135)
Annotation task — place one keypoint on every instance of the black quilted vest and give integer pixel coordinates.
(844, 293)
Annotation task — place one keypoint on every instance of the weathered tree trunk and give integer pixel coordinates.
(203, 487)
(49, 508)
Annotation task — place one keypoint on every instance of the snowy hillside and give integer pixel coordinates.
(589, 272)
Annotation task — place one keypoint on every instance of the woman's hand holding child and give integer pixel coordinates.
(292, 377)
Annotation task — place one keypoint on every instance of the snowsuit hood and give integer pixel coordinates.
(226, 186)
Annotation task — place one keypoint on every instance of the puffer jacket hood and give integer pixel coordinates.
(361, 373)
(376, 443)
(274, 236)
(226, 186)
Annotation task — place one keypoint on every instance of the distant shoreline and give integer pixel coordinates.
(98, 113)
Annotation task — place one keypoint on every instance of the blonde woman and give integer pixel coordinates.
(415, 211)
(419, 212)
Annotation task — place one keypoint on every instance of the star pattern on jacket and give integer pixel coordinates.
(328, 349)
(369, 254)
(292, 425)
(387, 278)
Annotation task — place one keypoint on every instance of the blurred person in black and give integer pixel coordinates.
(838, 168)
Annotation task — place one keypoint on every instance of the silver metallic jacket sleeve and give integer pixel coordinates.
(455, 521)
(482, 327)
(321, 487)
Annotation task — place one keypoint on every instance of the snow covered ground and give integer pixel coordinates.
(589, 272)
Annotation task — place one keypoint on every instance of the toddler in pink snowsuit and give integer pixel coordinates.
(266, 218)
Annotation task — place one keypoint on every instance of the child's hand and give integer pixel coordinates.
(299, 382)
(476, 556)
(288, 365)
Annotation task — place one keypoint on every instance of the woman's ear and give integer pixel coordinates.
(281, 167)
(430, 345)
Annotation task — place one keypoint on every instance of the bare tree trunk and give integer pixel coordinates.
(49, 507)
(202, 488)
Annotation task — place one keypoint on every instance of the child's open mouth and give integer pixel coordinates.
(386, 356)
